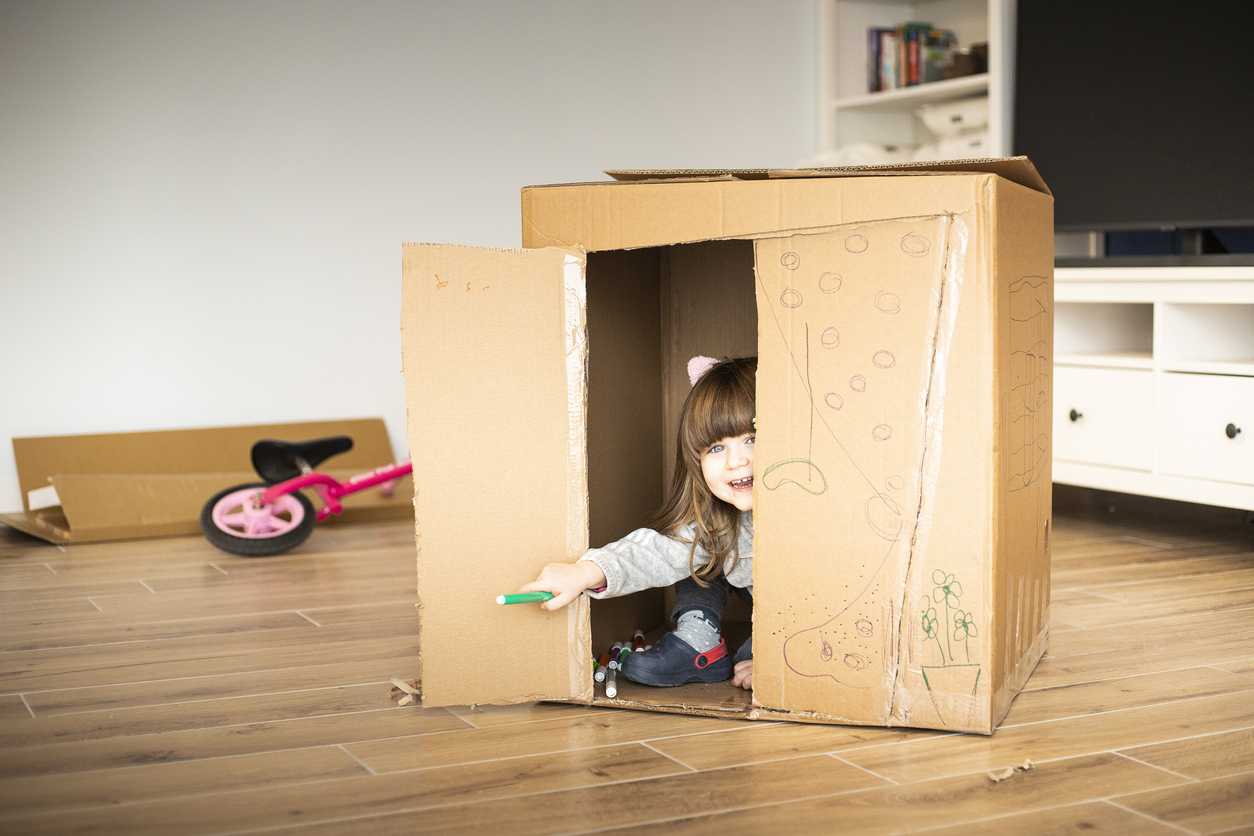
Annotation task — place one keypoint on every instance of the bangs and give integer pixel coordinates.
(721, 405)
(728, 416)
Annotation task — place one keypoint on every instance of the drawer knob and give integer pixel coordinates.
(1231, 430)
(1076, 416)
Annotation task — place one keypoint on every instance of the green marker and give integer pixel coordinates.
(524, 598)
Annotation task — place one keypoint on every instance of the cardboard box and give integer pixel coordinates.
(903, 319)
(119, 486)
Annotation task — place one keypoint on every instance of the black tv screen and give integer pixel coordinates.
(1139, 116)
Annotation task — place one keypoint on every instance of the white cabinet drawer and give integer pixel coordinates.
(1199, 413)
(1104, 416)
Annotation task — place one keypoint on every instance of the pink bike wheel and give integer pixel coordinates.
(234, 523)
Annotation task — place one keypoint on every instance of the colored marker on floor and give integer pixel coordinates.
(611, 683)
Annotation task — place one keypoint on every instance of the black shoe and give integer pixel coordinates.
(672, 661)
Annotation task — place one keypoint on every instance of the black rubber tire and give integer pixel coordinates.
(253, 546)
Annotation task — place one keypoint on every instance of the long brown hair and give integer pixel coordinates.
(720, 405)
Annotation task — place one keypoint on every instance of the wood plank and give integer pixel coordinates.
(293, 656)
(196, 603)
(1072, 737)
(408, 723)
(197, 688)
(760, 742)
(1154, 657)
(1212, 806)
(12, 711)
(1165, 633)
(16, 667)
(375, 611)
(1084, 575)
(1197, 604)
(61, 591)
(1087, 817)
(1175, 588)
(1207, 756)
(486, 716)
(576, 730)
(1038, 705)
(806, 795)
(371, 796)
(110, 630)
(231, 711)
(25, 795)
(1244, 667)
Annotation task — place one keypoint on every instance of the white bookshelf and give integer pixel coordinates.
(848, 113)
(1154, 381)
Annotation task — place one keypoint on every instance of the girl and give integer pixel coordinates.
(701, 537)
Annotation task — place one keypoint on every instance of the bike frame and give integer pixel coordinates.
(331, 490)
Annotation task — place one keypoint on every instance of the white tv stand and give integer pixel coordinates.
(1154, 381)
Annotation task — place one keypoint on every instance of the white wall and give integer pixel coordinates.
(202, 204)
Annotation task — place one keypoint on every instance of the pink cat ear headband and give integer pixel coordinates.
(698, 366)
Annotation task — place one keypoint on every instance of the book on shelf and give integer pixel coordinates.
(907, 54)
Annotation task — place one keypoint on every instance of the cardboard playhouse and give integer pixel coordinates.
(903, 320)
(122, 486)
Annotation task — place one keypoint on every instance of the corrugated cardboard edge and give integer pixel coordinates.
(1016, 169)
(579, 614)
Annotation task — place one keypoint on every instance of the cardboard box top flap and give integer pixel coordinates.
(208, 450)
(626, 215)
(1016, 169)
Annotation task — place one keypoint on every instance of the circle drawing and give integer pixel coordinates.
(833, 400)
(883, 359)
(857, 383)
(864, 627)
(826, 652)
(888, 302)
(882, 432)
(915, 245)
(830, 338)
(790, 298)
(790, 260)
(830, 282)
(857, 244)
(895, 483)
(857, 661)
(883, 514)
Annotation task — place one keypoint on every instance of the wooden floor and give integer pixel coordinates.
(162, 687)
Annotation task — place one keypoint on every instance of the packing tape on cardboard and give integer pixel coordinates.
(956, 237)
(575, 327)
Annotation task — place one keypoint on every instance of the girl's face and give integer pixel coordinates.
(728, 469)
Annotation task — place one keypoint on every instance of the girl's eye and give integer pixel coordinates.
(717, 448)
(751, 439)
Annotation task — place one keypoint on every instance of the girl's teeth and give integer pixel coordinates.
(742, 483)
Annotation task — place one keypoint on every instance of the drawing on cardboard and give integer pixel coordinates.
(804, 474)
(893, 391)
(953, 678)
(1030, 328)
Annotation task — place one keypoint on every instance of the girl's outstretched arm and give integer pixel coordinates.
(566, 581)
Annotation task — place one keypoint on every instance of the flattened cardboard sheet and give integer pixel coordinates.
(116, 486)
(495, 351)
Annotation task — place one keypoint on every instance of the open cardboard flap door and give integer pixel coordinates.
(854, 345)
(495, 351)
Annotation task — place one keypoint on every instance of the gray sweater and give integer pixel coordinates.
(645, 559)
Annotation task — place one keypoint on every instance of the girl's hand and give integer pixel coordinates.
(566, 581)
(743, 675)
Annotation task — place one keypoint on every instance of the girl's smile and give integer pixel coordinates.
(728, 469)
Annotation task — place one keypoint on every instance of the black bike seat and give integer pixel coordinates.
(278, 461)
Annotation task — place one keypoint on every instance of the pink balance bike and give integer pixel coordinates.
(260, 519)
